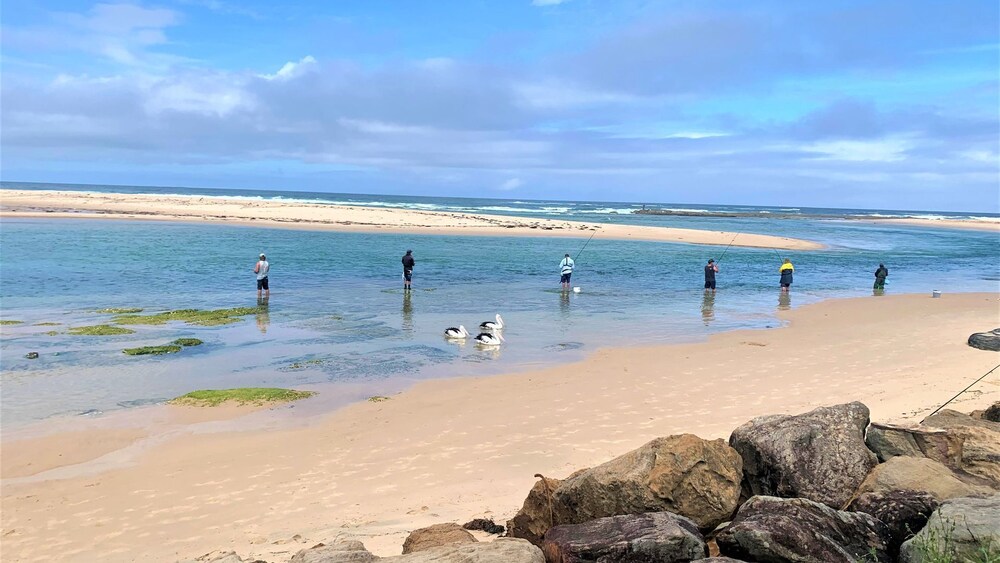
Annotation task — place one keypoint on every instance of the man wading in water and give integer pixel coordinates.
(261, 269)
(408, 263)
(880, 274)
(710, 270)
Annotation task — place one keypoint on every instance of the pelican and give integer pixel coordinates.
(457, 333)
(490, 325)
(489, 339)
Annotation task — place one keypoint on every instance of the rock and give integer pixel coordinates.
(684, 474)
(435, 536)
(889, 441)
(537, 514)
(986, 340)
(341, 552)
(800, 530)
(502, 550)
(922, 475)
(718, 560)
(903, 512)
(31, 355)
(820, 455)
(223, 557)
(992, 413)
(980, 453)
(964, 529)
(484, 524)
(654, 537)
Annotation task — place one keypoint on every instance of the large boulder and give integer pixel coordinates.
(503, 550)
(654, 537)
(980, 453)
(919, 474)
(537, 514)
(436, 536)
(992, 413)
(820, 455)
(903, 512)
(965, 529)
(800, 530)
(889, 441)
(686, 475)
(986, 340)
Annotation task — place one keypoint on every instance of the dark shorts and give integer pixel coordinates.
(262, 284)
(709, 284)
(786, 284)
(408, 275)
(565, 278)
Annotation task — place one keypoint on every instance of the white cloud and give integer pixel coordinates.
(561, 95)
(547, 2)
(881, 150)
(511, 184)
(291, 69)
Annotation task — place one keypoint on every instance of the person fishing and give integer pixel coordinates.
(408, 263)
(786, 270)
(566, 271)
(880, 274)
(262, 268)
(710, 270)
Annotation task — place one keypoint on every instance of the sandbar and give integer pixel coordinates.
(302, 215)
(992, 225)
(455, 449)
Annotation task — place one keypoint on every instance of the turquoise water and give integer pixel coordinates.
(337, 312)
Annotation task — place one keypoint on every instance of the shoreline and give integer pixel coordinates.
(966, 224)
(269, 213)
(457, 448)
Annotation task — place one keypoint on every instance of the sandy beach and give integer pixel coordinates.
(973, 225)
(49, 204)
(451, 450)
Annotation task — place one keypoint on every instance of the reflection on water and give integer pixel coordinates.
(263, 315)
(784, 301)
(564, 304)
(877, 292)
(407, 313)
(708, 307)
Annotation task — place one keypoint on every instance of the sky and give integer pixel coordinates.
(873, 104)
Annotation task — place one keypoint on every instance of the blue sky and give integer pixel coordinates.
(890, 104)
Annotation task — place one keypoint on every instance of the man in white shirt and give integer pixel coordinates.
(566, 271)
(261, 269)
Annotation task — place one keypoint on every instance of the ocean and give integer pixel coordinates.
(339, 322)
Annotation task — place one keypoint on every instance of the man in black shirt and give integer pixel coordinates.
(408, 263)
(710, 271)
(880, 274)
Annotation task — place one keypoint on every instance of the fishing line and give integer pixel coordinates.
(719, 261)
(585, 246)
(960, 392)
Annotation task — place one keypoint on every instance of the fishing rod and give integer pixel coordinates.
(960, 392)
(585, 246)
(719, 261)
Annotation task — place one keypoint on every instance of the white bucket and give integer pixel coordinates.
(576, 289)
(936, 293)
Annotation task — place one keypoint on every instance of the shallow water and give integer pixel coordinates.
(337, 312)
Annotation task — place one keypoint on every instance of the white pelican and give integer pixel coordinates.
(490, 325)
(489, 339)
(452, 332)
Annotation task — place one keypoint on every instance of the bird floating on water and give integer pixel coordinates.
(489, 339)
(491, 325)
(452, 332)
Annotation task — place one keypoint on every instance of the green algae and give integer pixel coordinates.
(377, 399)
(120, 310)
(241, 395)
(48, 324)
(307, 363)
(99, 330)
(8, 323)
(152, 350)
(187, 342)
(191, 316)
(52, 333)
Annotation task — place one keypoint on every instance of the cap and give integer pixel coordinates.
(710, 260)
(567, 256)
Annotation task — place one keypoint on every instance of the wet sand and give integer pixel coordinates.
(452, 450)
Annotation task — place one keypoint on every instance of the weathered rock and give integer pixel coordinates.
(684, 474)
(340, 552)
(653, 537)
(484, 524)
(800, 530)
(903, 512)
(964, 529)
(537, 514)
(986, 340)
(919, 474)
(223, 557)
(718, 560)
(31, 355)
(503, 550)
(980, 454)
(992, 413)
(436, 536)
(820, 455)
(889, 441)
